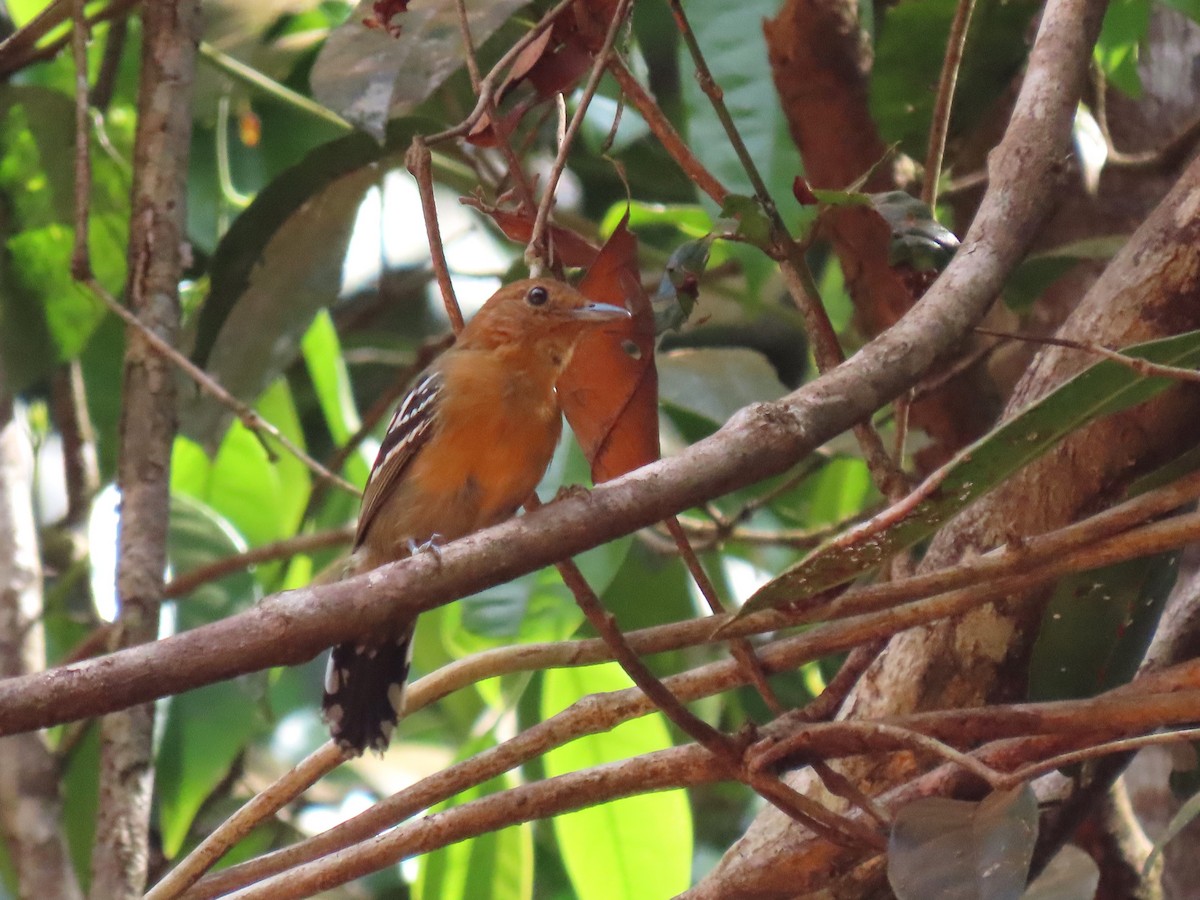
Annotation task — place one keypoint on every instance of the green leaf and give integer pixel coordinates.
(731, 38)
(263, 499)
(38, 165)
(206, 729)
(1103, 389)
(1097, 627)
(81, 793)
(961, 850)
(841, 198)
(277, 266)
(909, 47)
(1116, 51)
(638, 847)
(199, 535)
(837, 492)
(1040, 270)
(753, 224)
(494, 866)
(327, 368)
(715, 382)
(689, 219)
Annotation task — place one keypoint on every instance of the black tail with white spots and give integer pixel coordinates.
(364, 692)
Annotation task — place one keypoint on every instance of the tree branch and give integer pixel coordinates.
(157, 235)
(30, 803)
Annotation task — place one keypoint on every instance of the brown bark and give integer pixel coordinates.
(820, 61)
(761, 441)
(157, 236)
(1150, 290)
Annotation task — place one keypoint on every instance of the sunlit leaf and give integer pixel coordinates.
(638, 847)
(494, 866)
(1116, 51)
(263, 498)
(753, 224)
(327, 368)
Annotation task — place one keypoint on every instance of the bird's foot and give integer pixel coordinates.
(433, 546)
(567, 491)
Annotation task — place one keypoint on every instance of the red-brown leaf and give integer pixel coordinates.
(569, 248)
(609, 392)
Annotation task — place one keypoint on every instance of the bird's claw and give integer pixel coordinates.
(433, 545)
(568, 491)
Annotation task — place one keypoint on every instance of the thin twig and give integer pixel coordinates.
(81, 264)
(803, 809)
(715, 95)
(21, 50)
(1051, 763)
(68, 403)
(489, 84)
(830, 700)
(183, 584)
(940, 125)
(779, 749)
(296, 781)
(520, 181)
(536, 255)
(245, 413)
(269, 87)
(662, 129)
(677, 767)
(589, 716)
(101, 93)
(464, 28)
(1143, 367)
(796, 275)
(739, 647)
(418, 162)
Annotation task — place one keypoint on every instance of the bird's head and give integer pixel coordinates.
(536, 313)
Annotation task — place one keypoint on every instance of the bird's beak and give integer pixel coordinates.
(600, 312)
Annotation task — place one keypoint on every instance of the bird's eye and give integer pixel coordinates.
(537, 295)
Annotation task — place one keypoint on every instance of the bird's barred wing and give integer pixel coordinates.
(410, 428)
